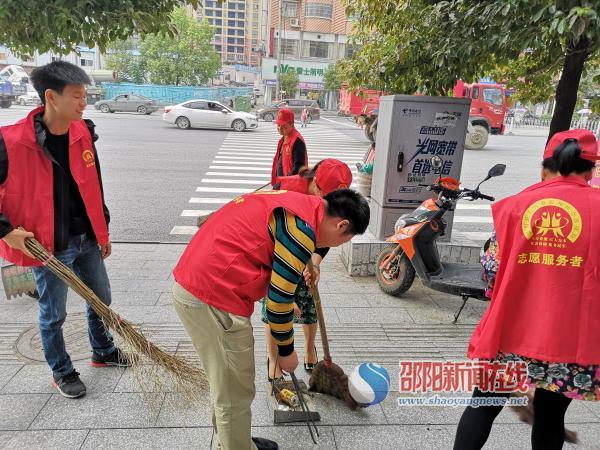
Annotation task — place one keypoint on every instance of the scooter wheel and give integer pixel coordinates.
(398, 277)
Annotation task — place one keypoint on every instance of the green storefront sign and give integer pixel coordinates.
(285, 68)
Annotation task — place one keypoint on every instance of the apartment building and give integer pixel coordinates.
(309, 35)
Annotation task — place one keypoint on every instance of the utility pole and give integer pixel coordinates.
(278, 82)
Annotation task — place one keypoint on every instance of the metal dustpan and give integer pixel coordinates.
(18, 281)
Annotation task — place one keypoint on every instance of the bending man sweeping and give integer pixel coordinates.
(256, 245)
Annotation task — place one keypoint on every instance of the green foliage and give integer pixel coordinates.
(186, 58)
(426, 46)
(334, 76)
(61, 26)
(289, 84)
(123, 57)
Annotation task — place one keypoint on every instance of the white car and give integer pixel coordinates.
(208, 114)
(31, 98)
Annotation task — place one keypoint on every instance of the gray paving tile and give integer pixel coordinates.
(7, 372)
(374, 315)
(297, 437)
(437, 315)
(175, 413)
(345, 300)
(149, 439)
(37, 379)
(393, 437)
(18, 411)
(96, 410)
(335, 412)
(135, 298)
(419, 415)
(47, 439)
(334, 287)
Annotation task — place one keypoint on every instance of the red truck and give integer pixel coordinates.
(488, 108)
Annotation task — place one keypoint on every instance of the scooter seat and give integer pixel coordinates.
(460, 279)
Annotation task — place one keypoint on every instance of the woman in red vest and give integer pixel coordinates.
(291, 150)
(545, 309)
(326, 176)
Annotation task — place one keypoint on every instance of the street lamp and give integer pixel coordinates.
(278, 78)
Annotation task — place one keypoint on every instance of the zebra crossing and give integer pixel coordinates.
(243, 164)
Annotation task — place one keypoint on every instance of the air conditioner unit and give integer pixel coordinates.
(295, 23)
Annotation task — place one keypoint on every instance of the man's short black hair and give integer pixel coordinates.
(56, 76)
(350, 205)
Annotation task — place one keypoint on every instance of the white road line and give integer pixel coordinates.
(238, 174)
(237, 161)
(473, 206)
(260, 169)
(223, 190)
(477, 236)
(270, 154)
(184, 230)
(225, 181)
(196, 212)
(473, 219)
(210, 200)
(244, 158)
(340, 123)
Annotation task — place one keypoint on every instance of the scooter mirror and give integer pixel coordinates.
(497, 170)
(436, 162)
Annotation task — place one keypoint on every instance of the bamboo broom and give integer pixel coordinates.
(188, 380)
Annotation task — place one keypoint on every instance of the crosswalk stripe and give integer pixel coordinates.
(475, 206)
(196, 212)
(262, 169)
(223, 190)
(184, 230)
(477, 236)
(239, 161)
(238, 174)
(210, 200)
(270, 155)
(472, 219)
(226, 181)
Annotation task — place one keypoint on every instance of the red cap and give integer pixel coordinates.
(284, 116)
(585, 139)
(332, 175)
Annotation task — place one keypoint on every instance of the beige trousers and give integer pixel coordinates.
(225, 345)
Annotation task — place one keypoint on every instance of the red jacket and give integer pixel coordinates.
(228, 263)
(294, 183)
(26, 197)
(287, 162)
(546, 301)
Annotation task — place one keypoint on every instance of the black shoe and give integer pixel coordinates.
(115, 359)
(265, 444)
(310, 366)
(69, 385)
(277, 379)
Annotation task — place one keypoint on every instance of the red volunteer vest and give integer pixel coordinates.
(294, 183)
(228, 263)
(546, 301)
(287, 162)
(26, 197)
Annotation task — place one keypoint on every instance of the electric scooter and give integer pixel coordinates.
(415, 251)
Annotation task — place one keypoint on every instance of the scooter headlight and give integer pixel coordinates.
(400, 223)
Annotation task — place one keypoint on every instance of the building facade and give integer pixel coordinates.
(307, 36)
(88, 59)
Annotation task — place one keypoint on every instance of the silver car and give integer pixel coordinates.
(127, 103)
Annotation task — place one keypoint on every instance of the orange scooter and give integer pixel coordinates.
(415, 251)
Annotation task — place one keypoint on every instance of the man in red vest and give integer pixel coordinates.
(291, 150)
(51, 189)
(255, 246)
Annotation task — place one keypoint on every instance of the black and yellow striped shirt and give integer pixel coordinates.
(295, 242)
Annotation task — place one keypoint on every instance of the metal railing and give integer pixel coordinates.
(539, 124)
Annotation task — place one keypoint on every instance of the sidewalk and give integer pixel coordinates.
(365, 325)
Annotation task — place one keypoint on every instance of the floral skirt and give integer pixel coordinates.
(571, 380)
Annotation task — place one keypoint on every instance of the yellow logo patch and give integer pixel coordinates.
(552, 221)
(88, 158)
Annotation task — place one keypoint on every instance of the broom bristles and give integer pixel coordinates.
(189, 380)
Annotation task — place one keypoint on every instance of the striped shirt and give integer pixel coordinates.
(294, 242)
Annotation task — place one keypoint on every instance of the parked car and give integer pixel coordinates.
(127, 103)
(208, 114)
(270, 112)
(31, 98)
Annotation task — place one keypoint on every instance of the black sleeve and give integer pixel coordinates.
(322, 252)
(298, 156)
(5, 226)
(92, 128)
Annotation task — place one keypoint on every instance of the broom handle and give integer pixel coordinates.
(317, 300)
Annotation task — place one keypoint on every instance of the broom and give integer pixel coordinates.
(190, 381)
(201, 219)
(327, 377)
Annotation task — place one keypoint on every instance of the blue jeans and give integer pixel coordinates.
(83, 257)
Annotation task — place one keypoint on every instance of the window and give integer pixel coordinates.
(493, 96)
(218, 48)
(475, 92)
(87, 62)
(231, 32)
(350, 49)
(254, 34)
(218, 30)
(230, 40)
(288, 9)
(240, 32)
(219, 22)
(319, 10)
(55, 58)
(255, 17)
(231, 23)
(240, 41)
(231, 14)
(240, 58)
(210, 3)
(230, 49)
(196, 105)
(240, 23)
(316, 49)
(241, 15)
(289, 47)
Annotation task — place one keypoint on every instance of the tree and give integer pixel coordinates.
(422, 45)
(185, 58)
(61, 26)
(289, 83)
(123, 57)
(334, 76)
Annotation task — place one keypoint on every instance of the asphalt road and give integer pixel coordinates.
(152, 170)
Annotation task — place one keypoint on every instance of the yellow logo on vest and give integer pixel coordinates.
(551, 222)
(88, 158)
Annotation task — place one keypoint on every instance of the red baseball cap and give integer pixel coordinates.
(284, 116)
(332, 175)
(585, 138)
